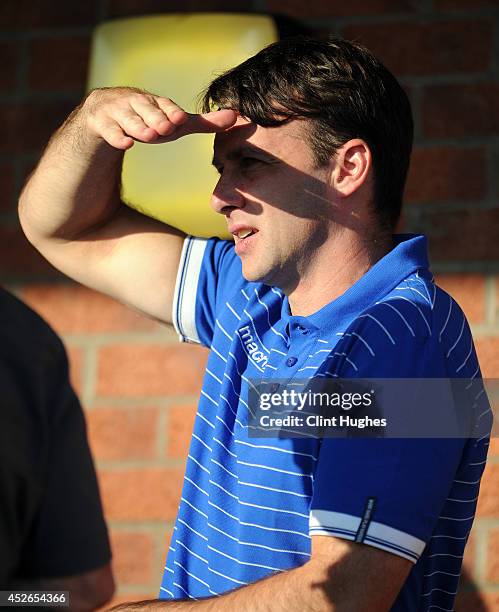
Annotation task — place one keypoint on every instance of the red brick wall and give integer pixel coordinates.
(138, 385)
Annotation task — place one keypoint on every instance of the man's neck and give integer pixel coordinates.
(334, 271)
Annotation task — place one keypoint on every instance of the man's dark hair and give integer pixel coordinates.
(345, 92)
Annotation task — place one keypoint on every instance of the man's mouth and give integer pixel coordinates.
(244, 237)
(244, 233)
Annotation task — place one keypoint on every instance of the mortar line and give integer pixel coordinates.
(482, 536)
(122, 465)
(131, 403)
(90, 366)
(147, 526)
(490, 300)
(100, 339)
(161, 437)
(415, 17)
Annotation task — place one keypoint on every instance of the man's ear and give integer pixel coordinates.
(352, 166)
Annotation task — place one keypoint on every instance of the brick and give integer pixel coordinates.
(122, 8)
(132, 557)
(481, 601)
(74, 309)
(75, 357)
(18, 259)
(166, 541)
(326, 8)
(59, 63)
(7, 187)
(469, 292)
(141, 494)
(488, 501)
(460, 235)
(461, 110)
(133, 370)
(469, 559)
(488, 356)
(444, 173)
(9, 56)
(27, 167)
(490, 599)
(492, 391)
(427, 48)
(179, 429)
(136, 428)
(464, 4)
(494, 447)
(26, 14)
(492, 571)
(27, 126)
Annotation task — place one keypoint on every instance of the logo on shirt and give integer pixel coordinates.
(252, 347)
(366, 519)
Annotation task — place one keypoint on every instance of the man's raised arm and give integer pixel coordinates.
(70, 208)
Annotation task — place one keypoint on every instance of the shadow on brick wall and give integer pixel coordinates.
(469, 598)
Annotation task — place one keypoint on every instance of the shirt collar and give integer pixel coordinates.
(409, 254)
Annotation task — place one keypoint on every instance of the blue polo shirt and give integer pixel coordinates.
(250, 506)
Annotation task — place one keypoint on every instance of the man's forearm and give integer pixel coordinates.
(301, 589)
(75, 185)
(340, 576)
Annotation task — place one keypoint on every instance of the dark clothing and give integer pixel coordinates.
(51, 521)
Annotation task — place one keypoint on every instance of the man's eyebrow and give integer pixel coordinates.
(239, 152)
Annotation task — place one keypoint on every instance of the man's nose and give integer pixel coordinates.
(226, 196)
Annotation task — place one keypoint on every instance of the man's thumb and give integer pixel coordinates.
(215, 121)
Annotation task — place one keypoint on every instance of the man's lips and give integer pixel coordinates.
(244, 246)
(244, 237)
(242, 231)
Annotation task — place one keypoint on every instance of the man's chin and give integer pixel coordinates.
(253, 275)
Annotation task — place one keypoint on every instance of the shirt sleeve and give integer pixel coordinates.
(69, 535)
(385, 492)
(198, 290)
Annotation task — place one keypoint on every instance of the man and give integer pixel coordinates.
(312, 145)
(52, 533)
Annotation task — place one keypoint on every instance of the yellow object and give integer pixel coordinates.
(175, 56)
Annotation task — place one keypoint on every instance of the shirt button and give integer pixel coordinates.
(291, 361)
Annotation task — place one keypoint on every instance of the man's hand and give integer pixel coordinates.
(71, 209)
(120, 115)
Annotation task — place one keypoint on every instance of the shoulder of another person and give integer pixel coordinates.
(25, 336)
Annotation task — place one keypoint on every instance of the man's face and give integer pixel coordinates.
(275, 200)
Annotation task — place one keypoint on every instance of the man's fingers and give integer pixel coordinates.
(114, 135)
(216, 121)
(151, 115)
(174, 113)
(134, 125)
(161, 114)
(122, 115)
